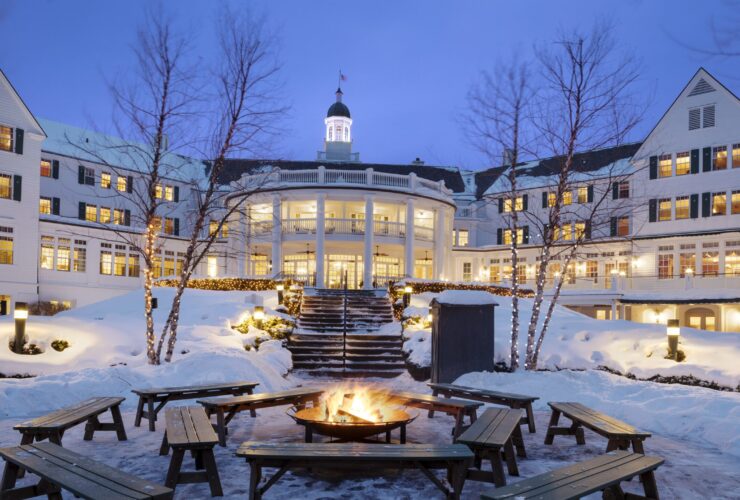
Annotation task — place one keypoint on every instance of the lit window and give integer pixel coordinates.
(45, 168)
(47, 255)
(550, 199)
(133, 266)
(121, 184)
(736, 156)
(212, 228)
(719, 158)
(118, 216)
(156, 267)
(462, 238)
(158, 191)
(119, 267)
(45, 205)
(719, 204)
(169, 193)
(518, 204)
(225, 229)
(467, 271)
(105, 180)
(624, 189)
(157, 224)
(664, 209)
(567, 197)
(519, 236)
(665, 266)
(106, 262)
(80, 259)
(710, 264)
(63, 258)
(583, 194)
(6, 183)
(6, 138)
(623, 226)
(686, 264)
(169, 266)
(104, 215)
(580, 230)
(683, 163)
(732, 263)
(169, 225)
(89, 176)
(6, 250)
(566, 231)
(91, 213)
(592, 269)
(665, 166)
(736, 202)
(212, 266)
(682, 207)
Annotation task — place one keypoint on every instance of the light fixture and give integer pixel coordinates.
(430, 318)
(280, 289)
(258, 315)
(407, 289)
(20, 314)
(407, 295)
(673, 331)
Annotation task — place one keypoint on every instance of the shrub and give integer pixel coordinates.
(59, 345)
(45, 308)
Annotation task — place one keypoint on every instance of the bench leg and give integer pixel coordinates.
(530, 418)
(198, 457)
(115, 412)
(459, 422)
(252, 413)
(637, 446)
(255, 475)
(164, 449)
(649, 485)
(497, 466)
(139, 411)
(435, 392)
(151, 416)
(214, 481)
(221, 427)
(173, 473)
(457, 482)
(91, 426)
(510, 458)
(554, 419)
(56, 438)
(613, 492)
(518, 441)
(578, 431)
(10, 475)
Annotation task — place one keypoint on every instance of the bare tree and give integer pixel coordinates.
(498, 122)
(247, 108)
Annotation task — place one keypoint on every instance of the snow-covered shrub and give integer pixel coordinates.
(59, 345)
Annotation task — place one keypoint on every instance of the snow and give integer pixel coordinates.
(466, 297)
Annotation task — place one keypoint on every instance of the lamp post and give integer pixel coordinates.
(673, 332)
(20, 315)
(259, 315)
(407, 295)
(280, 289)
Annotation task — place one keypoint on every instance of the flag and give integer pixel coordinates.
(342, 77)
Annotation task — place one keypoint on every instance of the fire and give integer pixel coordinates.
(346, 403)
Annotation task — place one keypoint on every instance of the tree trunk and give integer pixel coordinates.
(152, 355)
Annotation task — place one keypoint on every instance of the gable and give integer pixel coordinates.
(13, 111)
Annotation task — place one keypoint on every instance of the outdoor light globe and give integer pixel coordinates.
(673, 329)
(407, 289)
(280, 288)
(20, 313)
(259, 313)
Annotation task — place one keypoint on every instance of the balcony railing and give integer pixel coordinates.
(387, 228)
(259, 228)
(344, 226)
(299, 226)
(424, 233)
(390, 229)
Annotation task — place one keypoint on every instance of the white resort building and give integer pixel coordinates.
(666, 246)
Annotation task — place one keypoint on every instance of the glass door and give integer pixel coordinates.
(341, 267)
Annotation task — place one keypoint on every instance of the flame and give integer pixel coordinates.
(352, 403)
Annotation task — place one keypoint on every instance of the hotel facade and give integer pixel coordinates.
(668, 248)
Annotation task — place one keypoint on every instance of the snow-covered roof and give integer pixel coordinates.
(466, 298)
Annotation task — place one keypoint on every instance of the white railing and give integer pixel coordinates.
(388, 228)
(261, 227)
(390, 180)
(299, 226)
(344, 226)
(299, 176)
(424, 233)
(345, 177)
(464, 212)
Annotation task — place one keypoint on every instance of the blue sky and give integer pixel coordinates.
(409, 63)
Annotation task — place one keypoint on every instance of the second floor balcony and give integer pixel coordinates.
(332, 226)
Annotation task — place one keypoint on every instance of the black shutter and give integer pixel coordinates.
(80, 174)
(81, 210)
(17, 187)
(177, 226)
(694, 206)
(590, 196)
(499, 236)
(652, 210)
(127, 217)
(55, 169)
(653, 167)
(706, 160)
(129, 184)
(19, 141)
(525, 234)
(525, 202)
(694, 161)
(500, 205)
(615, 190)
(55, 206)
(177, 193)
(706, 204)
(544, 199)
(587, 230)
(613, 226)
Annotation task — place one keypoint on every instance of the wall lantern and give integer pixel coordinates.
(673, 331)
(259, 315)
(20, 315)
(280, 289)
(407, 295)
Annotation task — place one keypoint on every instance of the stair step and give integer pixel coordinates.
(352, 373)
(337, 358)
(355, 365)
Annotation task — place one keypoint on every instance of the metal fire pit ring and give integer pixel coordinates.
(312, 420)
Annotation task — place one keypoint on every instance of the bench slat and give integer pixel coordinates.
(494, 427)
(597, 421)
(195, 388)
(260, 397)
(473, 391)
(354, 451)
(189, 425)
(71, 415)
(410, 397)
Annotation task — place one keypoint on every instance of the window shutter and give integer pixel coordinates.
(544, 199)
(694, 206)
(80, 174)
(177, 226)
(499, 236)
(613, 226)
(525, 234)
(17, 187)
(652, 210)
(587, 230)
(694, 161)
(129, 184)
(81, 211)
(615, 190)
(525, 202)
(706, 204)
(55, 206)
(19, 141)
(177, 193)
(55, 169)
(706, 165)
(127, 217)
(500, 205)
(590, 195)
(653, 167)
(694, 118)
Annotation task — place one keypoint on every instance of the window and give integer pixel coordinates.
(47, 252)
(91, 213)
(467, 271)
(623, 226)
(133, 266)
(45, 205)
(169, 225)
(6, 138)
(118, 216)
(518, 204)
(550, 199)
(624, 189)
(665, 166)
(519, 236)
(169, 266)
(225, 228)
(105, 180)
(157, 224)
(119, 267)
(736, 156)
(89, 176)
(158, 191)
(583, 194)
(79, 262)
(212, 266)
(580, 230)
(683, 163)
(686, 263)
(121, 184)
(567, 197)
(45, 168)
(6, 183)
(6, 250)
(212, 228)
(462, 238)
(63, 255)
(156, 267)
(736, 202)
(106, 262)
(719, 204)
(665, 266)
(719, 158)
(682, 207)
(169, 193)
(592, 269)
(707, 116)
(732, 263)
(709, 264)
(105, 215)
(664, 209)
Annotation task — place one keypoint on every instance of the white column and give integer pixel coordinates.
(614, 309)
(369, 233)
(241, 240)
(409, 250)
(439, 244)
(320, 232)
(277, 254)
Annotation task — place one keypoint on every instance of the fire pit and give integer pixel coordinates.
(354, 414)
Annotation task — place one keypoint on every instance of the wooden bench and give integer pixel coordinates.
(53, 425)
(619, 434)
(489, 437)
(62, 469)
(187, 428)
(356, 456)
(513, 401)
(163, 395)
(604, 473)
(226, 408)
(456, 408)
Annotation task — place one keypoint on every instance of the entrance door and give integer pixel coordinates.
(701, 318)
(341, 267)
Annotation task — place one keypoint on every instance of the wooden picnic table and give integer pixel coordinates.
(61, 469)
(356, 456)
(513, 401)
(604, 473)
(456, 408)
(226, 408)
(490, 437)
(163, 395)
(619, 434)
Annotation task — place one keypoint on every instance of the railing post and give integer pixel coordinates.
(321, 174)
(369, 174)
(412, 181)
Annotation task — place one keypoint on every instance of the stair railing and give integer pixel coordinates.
(344, 323)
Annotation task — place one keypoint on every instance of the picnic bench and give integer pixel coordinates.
(456, 408)
(356, 456)
(187, 428)
(61, 469)
(513, 401)
(226, 408)
(619, 434)
(163, 395)
(53, 425)
(490, 436)
(604, 473)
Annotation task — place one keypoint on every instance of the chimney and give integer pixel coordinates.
(418, 161)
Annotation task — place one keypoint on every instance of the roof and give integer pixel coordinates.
(338, 109)
(26, 110)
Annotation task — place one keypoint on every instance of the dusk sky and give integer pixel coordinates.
(408, 64)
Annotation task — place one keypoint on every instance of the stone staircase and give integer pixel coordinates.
(317, 344)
